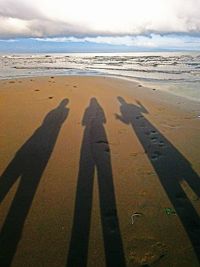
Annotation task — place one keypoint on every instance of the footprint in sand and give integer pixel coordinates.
(144, 252)
(139, 117)
(156, 155)
(161, 144)
(106, 149)
(102, 142)
(153, 136)
(154, 139)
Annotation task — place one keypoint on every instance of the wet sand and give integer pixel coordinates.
(97, 172)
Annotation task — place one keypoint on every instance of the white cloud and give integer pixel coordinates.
(151, 41)
(50, 18)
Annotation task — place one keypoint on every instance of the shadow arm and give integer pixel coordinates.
(121, 118)
(142, 108)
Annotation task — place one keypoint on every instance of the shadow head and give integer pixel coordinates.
(97, 110)
(64, 102)
(93, 101)
(121, 100)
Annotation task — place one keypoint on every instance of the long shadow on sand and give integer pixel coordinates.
(28, 166)
(95, 152)
(170, 165)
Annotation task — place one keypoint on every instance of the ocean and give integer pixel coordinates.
(177, 72)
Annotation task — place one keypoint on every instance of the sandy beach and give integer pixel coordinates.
(98, 171)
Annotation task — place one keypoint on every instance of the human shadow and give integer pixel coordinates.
(170, 165)
(28, 166)
(95, 152)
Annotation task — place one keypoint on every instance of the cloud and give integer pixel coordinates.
(91, 18)
(19, 10)
(152, 41)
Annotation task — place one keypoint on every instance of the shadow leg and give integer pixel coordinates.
(78, 249)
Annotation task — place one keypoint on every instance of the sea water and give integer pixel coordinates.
(177, 72)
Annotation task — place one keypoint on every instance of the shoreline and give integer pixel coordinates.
(125, 78)
(174, 72)
(123, 119)
(154, 86)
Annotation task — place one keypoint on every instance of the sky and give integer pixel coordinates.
(99, 25)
